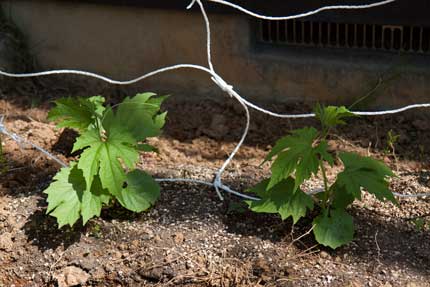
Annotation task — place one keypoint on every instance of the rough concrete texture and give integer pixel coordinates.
(125, 42)
(6, 55)
(12, 57)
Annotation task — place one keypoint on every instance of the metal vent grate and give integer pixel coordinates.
(409, 39)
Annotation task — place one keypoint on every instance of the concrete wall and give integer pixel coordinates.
(125, 42)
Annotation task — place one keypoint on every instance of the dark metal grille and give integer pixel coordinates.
(395, 38)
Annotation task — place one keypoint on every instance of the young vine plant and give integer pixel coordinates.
(304, 153)
(109, 141)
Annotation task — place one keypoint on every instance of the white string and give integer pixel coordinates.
(217, 181)
(224, 87)
(395, 111)
(223, 84)
(211, 184)
(359, 113)
(325, 8)
(104, 78)
(411, 195)
(19, 140)
(219, 82)
(208, 31)
(401, 195)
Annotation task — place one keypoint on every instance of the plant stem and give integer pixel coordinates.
(98, 126)
(326, 189)
(324, 133)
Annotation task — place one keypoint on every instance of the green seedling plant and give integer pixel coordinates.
(304, 153)
(392, 140)
(109, 141)
(420, 224)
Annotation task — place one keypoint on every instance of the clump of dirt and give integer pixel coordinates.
(191, 238)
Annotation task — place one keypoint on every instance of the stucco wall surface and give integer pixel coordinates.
(125, 42)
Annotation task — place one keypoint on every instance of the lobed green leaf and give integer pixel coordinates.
(364, 172)
(105, 157)
(93, 201)
(141, 192)
(141, 115)
(69, 199)
(77, 113)
(332, 116)
(334, 228)
(283, 199)
(65, 196)
(296, 155)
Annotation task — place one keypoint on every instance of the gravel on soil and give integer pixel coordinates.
(191, 238)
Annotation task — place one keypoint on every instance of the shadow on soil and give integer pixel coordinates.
(379, 240)
(29, 179)
(42, 231)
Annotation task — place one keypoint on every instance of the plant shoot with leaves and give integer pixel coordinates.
(304, 153)
(110, 142)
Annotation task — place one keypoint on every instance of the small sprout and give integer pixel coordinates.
(420, 224)
(392, 140)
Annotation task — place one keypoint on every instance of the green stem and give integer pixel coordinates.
(325, 131)
(324, 134)
(99, 130)
(98, 127)
(326, 189)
